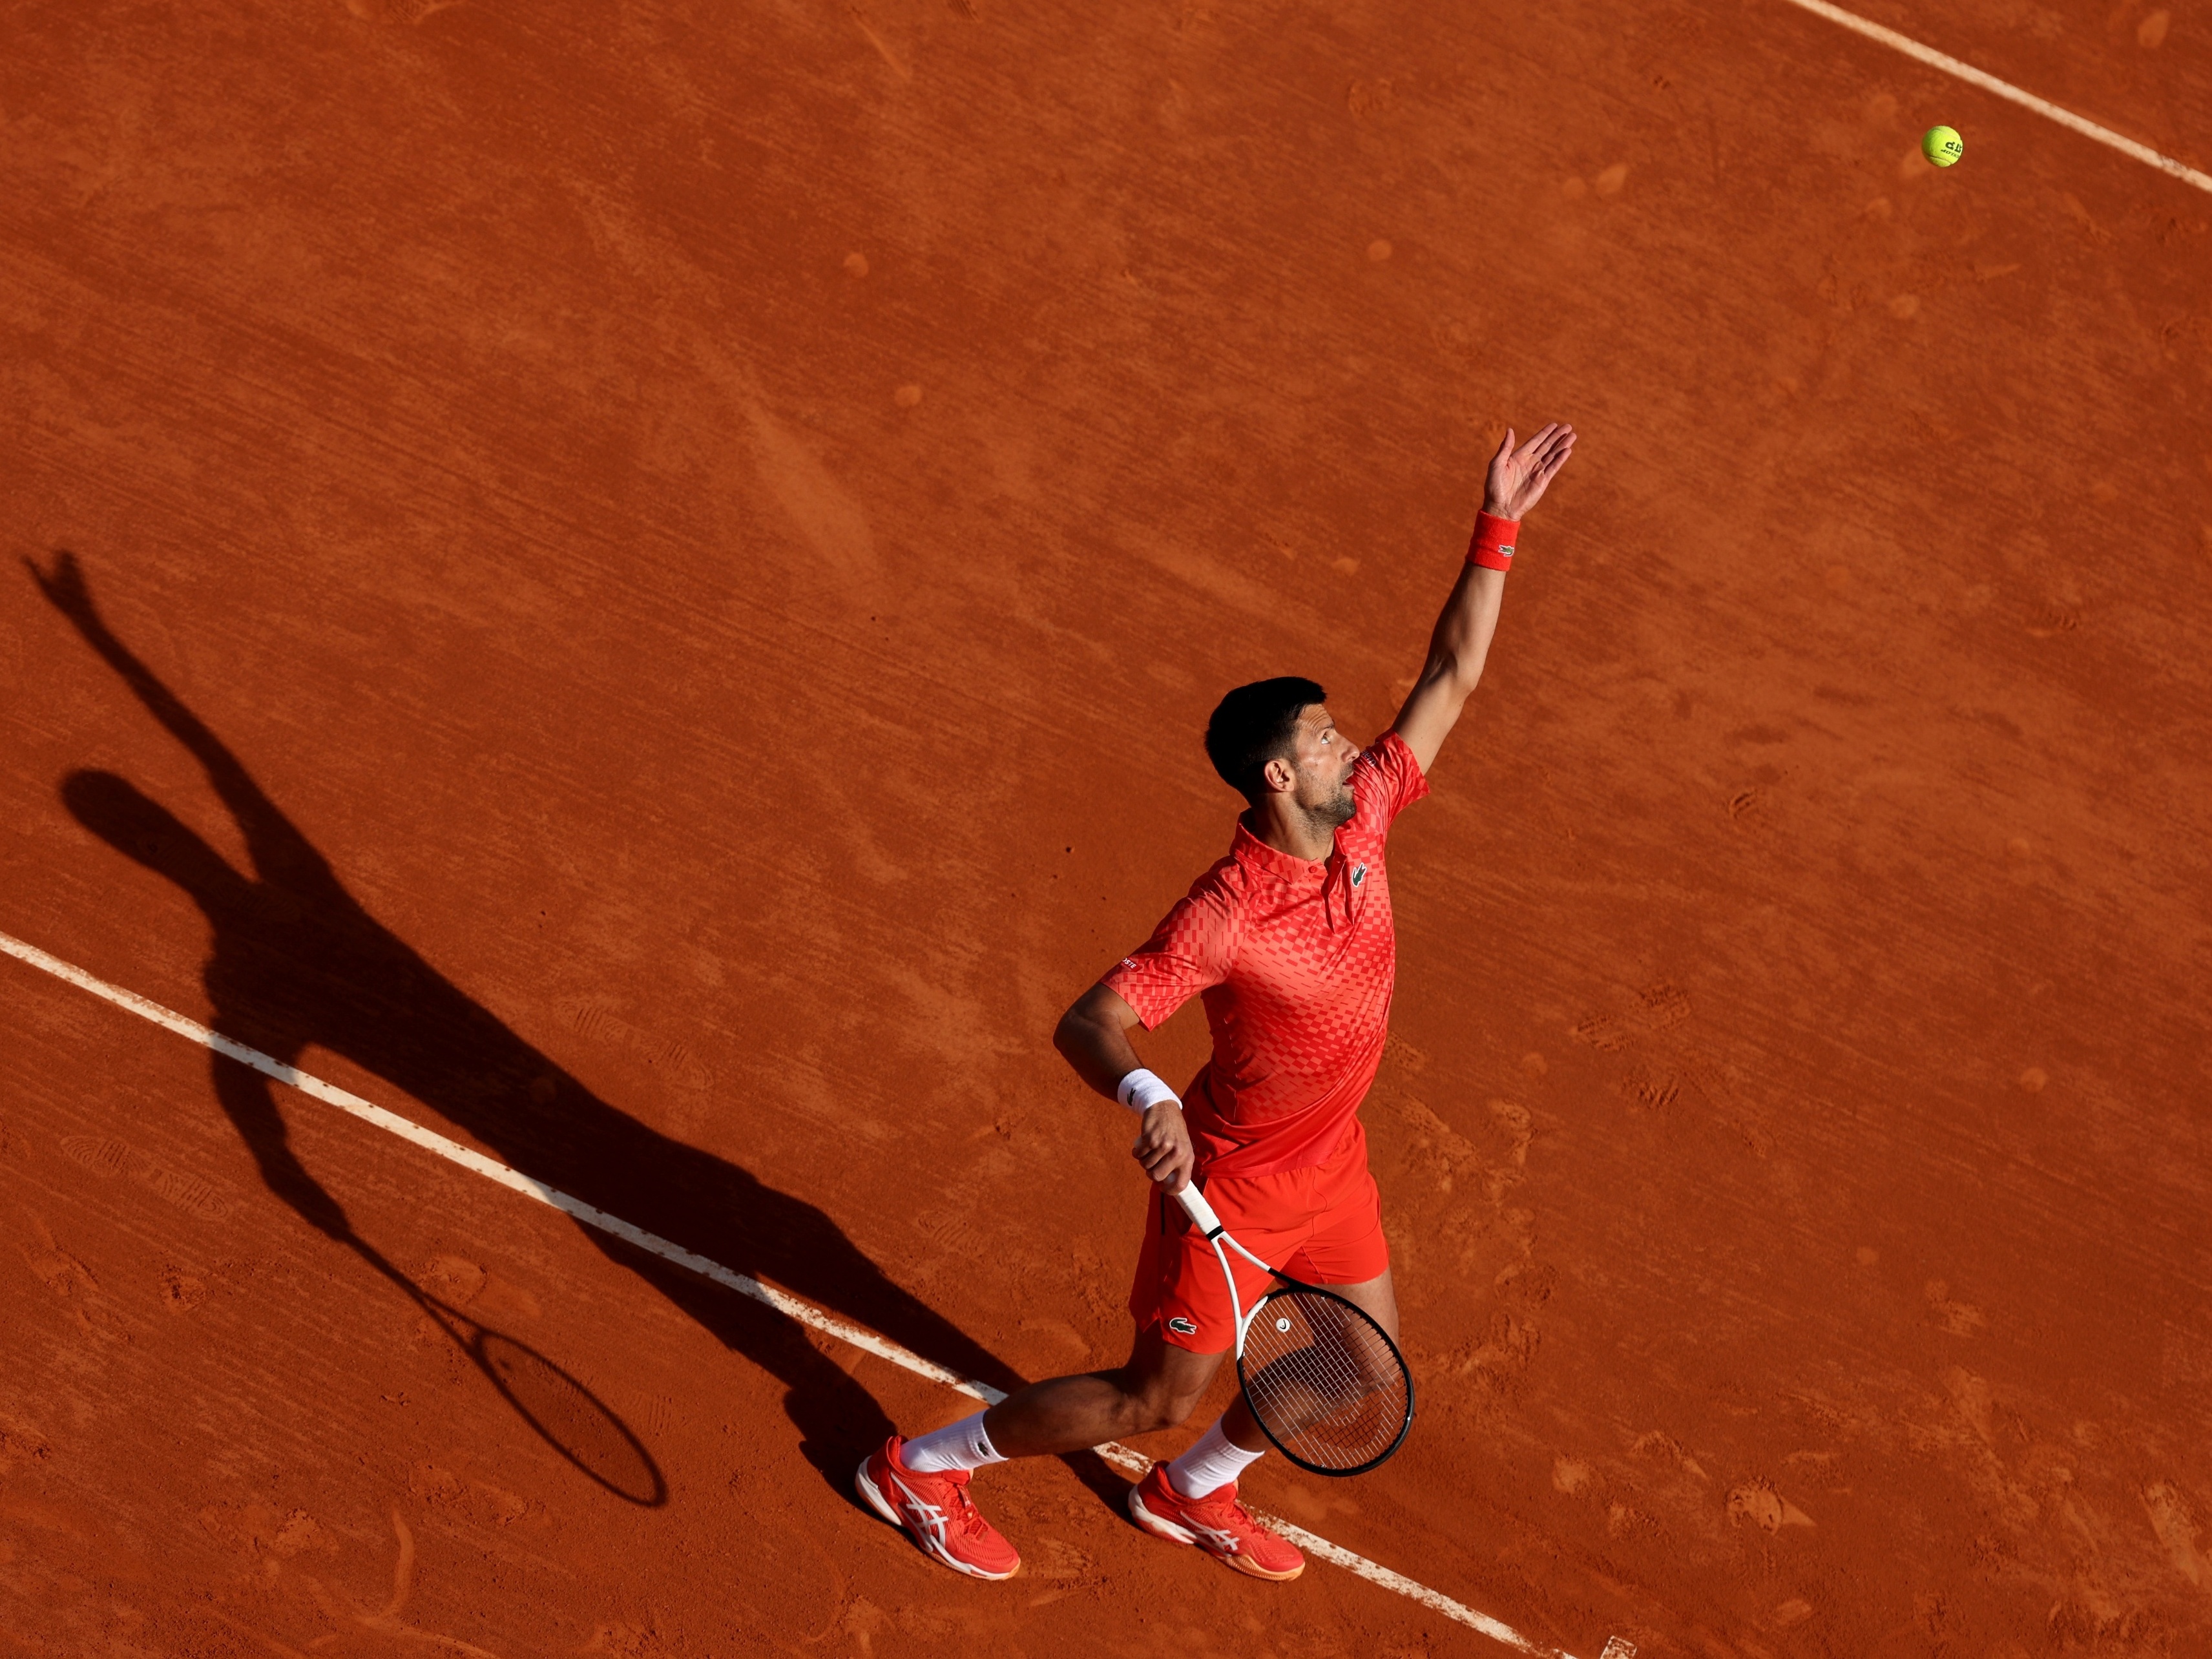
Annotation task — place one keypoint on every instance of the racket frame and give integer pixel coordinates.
(1204, 1217)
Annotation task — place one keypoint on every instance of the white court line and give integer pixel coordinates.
(391, 1123)
(2004, 90)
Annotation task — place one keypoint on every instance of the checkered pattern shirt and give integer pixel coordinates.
(1295, 962)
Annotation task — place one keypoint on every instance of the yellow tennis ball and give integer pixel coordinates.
(1942, 145)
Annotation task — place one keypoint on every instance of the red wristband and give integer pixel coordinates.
(1492, 547)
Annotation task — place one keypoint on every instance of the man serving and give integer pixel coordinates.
(1288, 940)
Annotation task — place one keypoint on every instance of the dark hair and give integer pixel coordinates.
(1255, 724)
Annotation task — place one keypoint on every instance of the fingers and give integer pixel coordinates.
(1538, 441)
(1554, 438)
(1154, 1152)
(1173, 1173)
(1166, 1158)
(1550, 441)
(1518, 476)
(1558, 446)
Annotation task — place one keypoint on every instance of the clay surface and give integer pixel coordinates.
(665, 564)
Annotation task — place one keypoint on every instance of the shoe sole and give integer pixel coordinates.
(872, 1496)
(1160, 1526)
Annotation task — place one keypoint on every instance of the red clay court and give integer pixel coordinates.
(644, 583)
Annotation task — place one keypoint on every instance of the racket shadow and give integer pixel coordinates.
(565, 1414)
(569, 1418)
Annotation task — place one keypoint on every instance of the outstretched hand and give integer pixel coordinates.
(1518, 477)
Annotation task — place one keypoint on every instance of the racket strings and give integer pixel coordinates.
(1324, 1381)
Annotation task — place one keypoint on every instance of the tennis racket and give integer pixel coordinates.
(1325, 1383)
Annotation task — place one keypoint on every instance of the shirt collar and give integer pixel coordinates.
(1248, 849)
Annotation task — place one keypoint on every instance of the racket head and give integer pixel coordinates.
(1324, 1381)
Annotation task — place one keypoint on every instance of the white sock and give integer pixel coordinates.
(1212, 1464)
(963, 1446)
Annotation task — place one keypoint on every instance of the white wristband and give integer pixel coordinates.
(1142, 1090)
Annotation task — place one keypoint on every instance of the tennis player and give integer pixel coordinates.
(1289, 942)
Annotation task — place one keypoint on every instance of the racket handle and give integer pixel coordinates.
(1194, 1206)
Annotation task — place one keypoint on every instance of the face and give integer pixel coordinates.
(1319, 775)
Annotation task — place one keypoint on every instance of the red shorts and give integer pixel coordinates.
(1322, 1224)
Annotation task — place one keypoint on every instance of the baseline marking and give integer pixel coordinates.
(2005, 90)
(744, 1284)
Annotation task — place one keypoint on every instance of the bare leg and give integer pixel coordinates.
(1376, 1298)
(1242, 1432)
(1158, 1387)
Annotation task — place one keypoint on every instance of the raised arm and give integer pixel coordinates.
(1517, 480)
(1093, 1037)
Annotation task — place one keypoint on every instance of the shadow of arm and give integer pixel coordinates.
(270, 839)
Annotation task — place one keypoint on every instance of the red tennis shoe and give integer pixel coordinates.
(937, 1513)
(1217, 1523)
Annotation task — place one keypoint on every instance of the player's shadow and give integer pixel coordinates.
(295, 960)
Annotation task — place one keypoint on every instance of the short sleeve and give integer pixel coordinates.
(1192, 948)
(1386, 779)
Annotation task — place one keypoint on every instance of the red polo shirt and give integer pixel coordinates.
(1295, 962)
